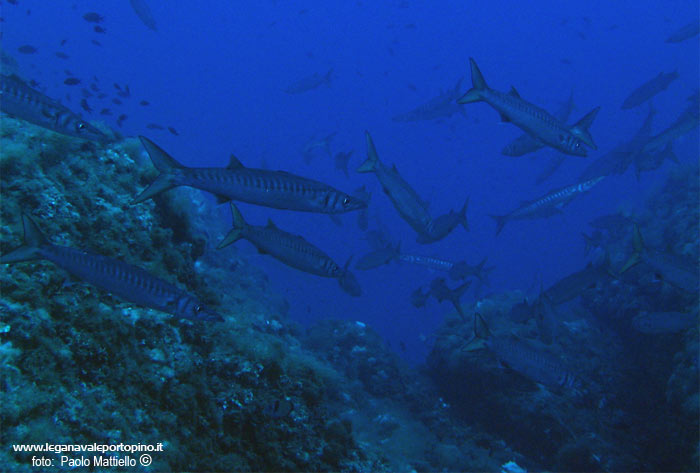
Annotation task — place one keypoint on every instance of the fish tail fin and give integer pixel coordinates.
(164, 163)
(161, 160)
(33, 241)
(239, 225)
(348, 282)
(500, 222)
(372, 162)
(478, 85)
(481, 334)
(581, 127)
(669, 154)
(463, 214)
(636, 257)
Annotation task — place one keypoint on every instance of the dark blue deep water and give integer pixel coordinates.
(219, 75)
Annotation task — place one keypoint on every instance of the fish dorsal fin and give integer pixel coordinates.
(270, 223)
(234, 163)
(514, 92)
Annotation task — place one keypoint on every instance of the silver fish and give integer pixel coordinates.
(535, 364)
(123, 280)
(525, 143)
(142, 10)
(292, 250)
(442, 106)
(664, 322)
(311, 82)
(532, 119)
(405, 199)
(672, 269)
(546, 206)
(276, 189)
(649, 89)
(686, 32)
(21, 101)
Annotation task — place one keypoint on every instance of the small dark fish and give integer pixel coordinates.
(173, 131)
(92, 17)
(96, 43)
(124, 93)
(99, 29)
(85, 106)
(13, 2)
(121, 119)
(63, 42)
(61, 55)
(105, 111)
(144, 103)
(154, 126)
(72, 81)
(419, 298)
(116, 101)
(27, 49)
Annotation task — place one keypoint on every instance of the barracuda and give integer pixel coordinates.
(546, 206)
(532, 119)
(19, 100)
(405, 199)
(276, 189)
(536, 364)
(123, 280)
(292, 250)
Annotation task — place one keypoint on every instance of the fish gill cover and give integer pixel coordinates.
(566, 340)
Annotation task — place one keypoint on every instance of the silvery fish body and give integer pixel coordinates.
(292, 250)
(276, 189)
(123, 280)
(649, 89)
(535, 364)
(525, 143)
(442, 106)
(546, 206)
(19, 100)
(664, 322)
(534, 120)
(405, 199)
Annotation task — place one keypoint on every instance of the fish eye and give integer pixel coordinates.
(197, 308)
(346, 201)
(81, 125)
